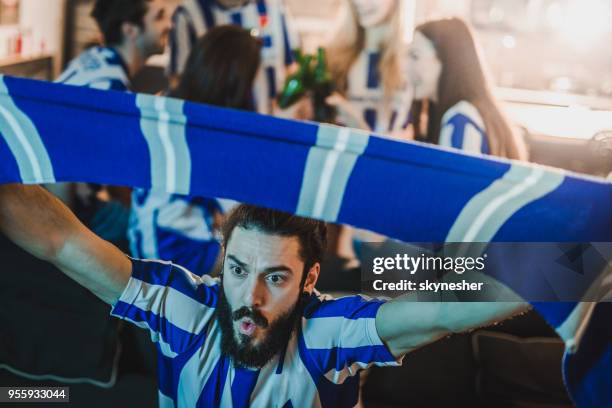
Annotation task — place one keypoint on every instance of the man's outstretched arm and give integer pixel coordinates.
(406, 325)
(42, 225)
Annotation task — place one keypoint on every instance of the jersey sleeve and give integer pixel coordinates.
(180, 41)
(463, 128)
(171, 302)
(341, 338)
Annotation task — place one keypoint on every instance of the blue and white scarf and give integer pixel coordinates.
(409, 191)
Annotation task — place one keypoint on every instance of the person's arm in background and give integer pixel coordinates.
(42, 225)
(347, 114)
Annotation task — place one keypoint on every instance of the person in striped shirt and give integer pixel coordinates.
(132, 31)
(366, 55)
(452, 91)
(260, 335)
(265, 18)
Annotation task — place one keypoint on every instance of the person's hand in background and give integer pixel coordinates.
(347, 114)
(301, 110)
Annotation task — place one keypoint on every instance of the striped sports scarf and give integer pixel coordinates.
(408, 191)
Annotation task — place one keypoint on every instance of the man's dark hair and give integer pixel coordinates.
(111, 14)
(312, 234)
(221, 69)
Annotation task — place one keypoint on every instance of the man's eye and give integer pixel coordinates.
(236, 270)
(276, 279)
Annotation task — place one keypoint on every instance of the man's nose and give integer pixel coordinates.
(255, 293)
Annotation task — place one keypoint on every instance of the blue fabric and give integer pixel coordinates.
(423, 187)
(243, 386)
(177, 338)
(197, 256)
(169, 369)
(373, 73)
(168, 275)
(459, 123)
(409, 191)
(213, 389)
(186, 234)
(98, 67)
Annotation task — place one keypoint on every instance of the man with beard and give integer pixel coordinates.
(132, 31)
(261, 335)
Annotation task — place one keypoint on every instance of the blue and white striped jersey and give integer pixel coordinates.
(177, 228)
(365, 92)
(463, 128)
(319, 367)
(97, 67)
(193, 18)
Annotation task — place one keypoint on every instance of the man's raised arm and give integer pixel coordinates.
(405, 324)
(42, 225)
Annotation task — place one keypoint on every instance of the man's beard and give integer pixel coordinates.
(242, 352)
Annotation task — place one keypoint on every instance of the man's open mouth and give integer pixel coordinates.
(247, 327)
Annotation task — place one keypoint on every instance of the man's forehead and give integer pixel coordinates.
(255, 246)
(155, 6)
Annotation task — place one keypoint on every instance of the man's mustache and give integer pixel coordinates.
(254, 315)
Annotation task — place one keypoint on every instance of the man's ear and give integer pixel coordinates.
(130, 31)
(311, 278)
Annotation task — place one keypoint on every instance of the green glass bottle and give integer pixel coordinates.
(297, 83)
(322, 88)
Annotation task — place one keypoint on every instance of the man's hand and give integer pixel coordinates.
(42, 225)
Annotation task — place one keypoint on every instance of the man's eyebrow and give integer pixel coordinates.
(236, 260)
(271, 269)
(279, 268)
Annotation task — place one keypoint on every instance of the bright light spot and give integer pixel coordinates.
(554, 16)
(509, 41)
(580, 22)
(562, 84)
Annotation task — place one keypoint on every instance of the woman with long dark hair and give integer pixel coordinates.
(452, 93)
(220, 71)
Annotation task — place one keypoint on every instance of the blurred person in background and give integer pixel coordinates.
(266, 18)
(365, 59)
(132, 31)
(454, 105)
(220, 71)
